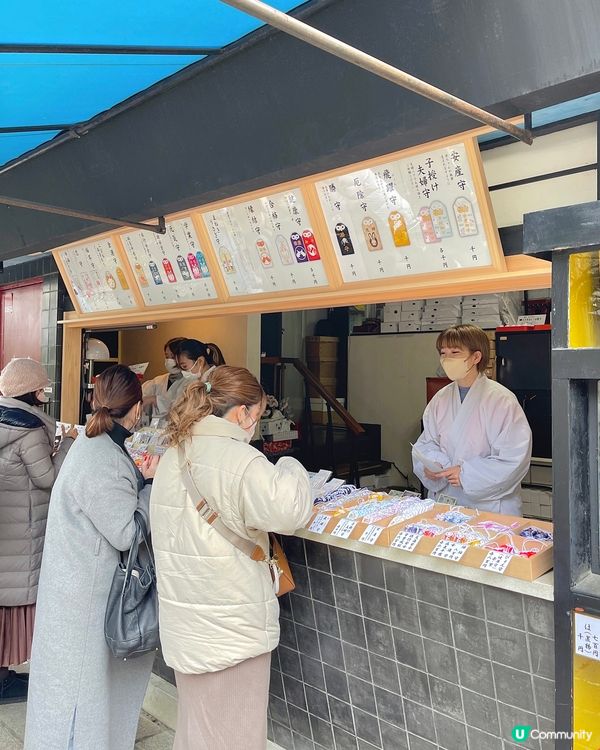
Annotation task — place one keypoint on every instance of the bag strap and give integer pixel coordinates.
(212, 518)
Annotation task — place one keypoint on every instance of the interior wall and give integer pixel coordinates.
(555, 152)
(386, 386)
(238, 337)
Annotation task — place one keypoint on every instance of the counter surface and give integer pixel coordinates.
(542, 588)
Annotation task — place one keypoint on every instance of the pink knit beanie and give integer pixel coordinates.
(22, 375)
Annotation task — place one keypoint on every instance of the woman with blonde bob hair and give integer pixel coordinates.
(475, 433)
(219, 616)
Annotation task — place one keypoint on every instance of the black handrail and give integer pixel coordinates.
(311, 379)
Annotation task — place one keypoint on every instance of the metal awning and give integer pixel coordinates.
(63, 62)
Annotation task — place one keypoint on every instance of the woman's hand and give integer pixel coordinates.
(435, 475)
(70, 433)
(148, 467)
(452, 475)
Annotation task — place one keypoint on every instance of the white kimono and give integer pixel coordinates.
(159, 388)
(166, 398)
(487, 435)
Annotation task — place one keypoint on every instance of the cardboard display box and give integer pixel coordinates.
(385, 533)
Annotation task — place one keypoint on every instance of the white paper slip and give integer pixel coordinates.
(427, 462)
(139, 369)
(449, 550)
(79, 427)
(318, 480)
(587, 636)
(371, 534)
(319, 523)
(344, 528)
(496, 561)
(406, 541)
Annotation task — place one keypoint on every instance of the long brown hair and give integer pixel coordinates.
(224, 388)
(116, 390)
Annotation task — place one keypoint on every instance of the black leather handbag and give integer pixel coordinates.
(131, 620)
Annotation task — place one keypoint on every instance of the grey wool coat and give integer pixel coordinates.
(28, 469)
(80, 696)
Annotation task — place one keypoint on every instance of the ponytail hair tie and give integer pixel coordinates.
(208, 386)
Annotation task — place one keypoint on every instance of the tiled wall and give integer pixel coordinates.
(406, 658)
(55, 302)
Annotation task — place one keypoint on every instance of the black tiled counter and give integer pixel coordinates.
(384, 654)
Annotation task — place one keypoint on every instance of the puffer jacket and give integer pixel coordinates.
(27, 473)
(217, 606)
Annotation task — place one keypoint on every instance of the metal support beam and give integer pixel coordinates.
(106, 49)
(330, 44)
(158, 228)
(35, 128)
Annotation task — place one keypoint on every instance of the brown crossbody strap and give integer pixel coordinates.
(212, 518)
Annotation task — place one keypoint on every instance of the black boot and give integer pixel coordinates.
(13, 690)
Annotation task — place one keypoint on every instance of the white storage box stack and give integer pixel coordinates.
(439, 314)
(402, 317)
(537, 503)
(492, 310)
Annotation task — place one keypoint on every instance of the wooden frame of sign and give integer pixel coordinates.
(331, 288)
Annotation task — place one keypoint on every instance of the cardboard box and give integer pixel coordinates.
(321, 347)
(414, 304)
(405, 316)
(391, 313)
(525, 568)
(323, 369)
(330, 385)
(387, 327)
(410, 326)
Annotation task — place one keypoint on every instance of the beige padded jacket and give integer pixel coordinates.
(217, 607)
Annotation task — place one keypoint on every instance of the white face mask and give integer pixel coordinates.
(42, 397)
(250, 429)
(171, 366)
(189, 373)
(456, 369)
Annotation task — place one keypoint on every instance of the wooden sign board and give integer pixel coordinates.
(96, 275)
(423, 211)
(170, 268)
(266, 244)
(408, 223)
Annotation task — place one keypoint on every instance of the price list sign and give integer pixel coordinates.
(96, 277)
(410, 216)
(266, 245)
(171, 267)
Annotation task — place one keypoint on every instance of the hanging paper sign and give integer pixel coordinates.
(371, 534)
(587, 636)
(319, 523)
(410, 216)
(96, 277)
(449, 550)
(266, 245)
(496, 561)
(169, 267)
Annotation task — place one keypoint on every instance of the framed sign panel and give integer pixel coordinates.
(96, 276)
(420, 214)
(169, 268)
(266, 245)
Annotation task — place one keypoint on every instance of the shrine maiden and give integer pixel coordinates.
(474, 430)
(157, 392)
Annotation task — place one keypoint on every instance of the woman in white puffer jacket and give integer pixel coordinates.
(219, 615)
